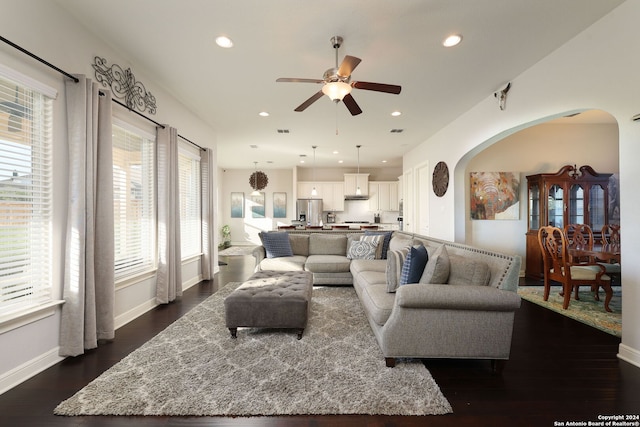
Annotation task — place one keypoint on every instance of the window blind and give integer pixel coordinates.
(190, 203)
(133, 200)
(25, 195)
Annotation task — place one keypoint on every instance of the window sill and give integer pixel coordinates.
(23, 317)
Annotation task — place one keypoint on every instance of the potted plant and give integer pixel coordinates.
(226, 237)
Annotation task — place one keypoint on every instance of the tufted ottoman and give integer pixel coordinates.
(270, 299)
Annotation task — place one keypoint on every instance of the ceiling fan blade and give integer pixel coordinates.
(351, 105)
(309, 101)
(294, 80)
(349, 63)
(378, 87)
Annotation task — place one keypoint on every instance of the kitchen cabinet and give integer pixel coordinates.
(354, 180)
(383, 196)
(569, 196)
(331, 193)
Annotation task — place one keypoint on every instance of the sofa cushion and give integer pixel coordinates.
(468, 271)
(385, 242)
(360, 249)
(437, 268)
(376, 301)
(378, 240)
(395, 260)
(414, 265)
(276, 244)
(327, 244)
(299, 244)
(399, 242)
(327, 264)
(289, 263)
(359, 265)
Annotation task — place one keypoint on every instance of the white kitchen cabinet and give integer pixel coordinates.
(354, 180)
(383, 196)
(331, 193)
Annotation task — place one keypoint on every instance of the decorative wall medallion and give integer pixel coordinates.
(123, 84)
(440, 179)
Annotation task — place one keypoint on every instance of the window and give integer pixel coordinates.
(190, 205)
(25, 192)
(133, 200)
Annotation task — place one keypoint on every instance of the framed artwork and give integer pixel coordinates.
(237, 205)
(257, 206)
(279, 205)
(495, 195)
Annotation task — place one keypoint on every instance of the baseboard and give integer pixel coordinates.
(189, 283)
(29, 369)
(629, 354)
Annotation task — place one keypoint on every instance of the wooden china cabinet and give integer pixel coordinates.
(569, 196)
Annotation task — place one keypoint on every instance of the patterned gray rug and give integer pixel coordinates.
(194, 368)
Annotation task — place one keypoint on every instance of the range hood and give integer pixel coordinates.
(356, 197)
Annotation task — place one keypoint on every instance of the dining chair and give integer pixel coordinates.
(579, 237)
(558, 267)
(611, 235)
(610, 239)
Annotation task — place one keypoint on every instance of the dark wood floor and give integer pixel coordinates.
(560, 370)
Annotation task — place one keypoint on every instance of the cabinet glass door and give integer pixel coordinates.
(597, 205)
(534, 207)
(576, 204)
(556, 206)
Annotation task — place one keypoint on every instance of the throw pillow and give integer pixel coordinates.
(395, 260)
(398, 242)
(276, 244)
(385, 243)
(468, 271)
(437, 268)
(414, 265)
(362, 250)
(374, 239)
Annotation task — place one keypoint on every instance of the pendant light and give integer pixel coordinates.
(358, 191)
(258, 180)
(314, 192)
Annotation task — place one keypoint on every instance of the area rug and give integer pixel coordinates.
(237, 251)
(585, 310)
(194, 368)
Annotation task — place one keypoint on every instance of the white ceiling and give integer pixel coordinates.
(399, 42)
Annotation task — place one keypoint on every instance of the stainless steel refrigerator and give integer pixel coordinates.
(309, 211)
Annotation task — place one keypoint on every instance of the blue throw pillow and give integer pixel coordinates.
(385, 242)
(414, 265)
(276, 244)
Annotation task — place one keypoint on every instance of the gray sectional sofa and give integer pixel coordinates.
(469, 315)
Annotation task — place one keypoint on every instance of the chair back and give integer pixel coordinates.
(579, 236)
(553, 244)
(611, 236)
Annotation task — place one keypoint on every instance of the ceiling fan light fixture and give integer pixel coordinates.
(336, 90)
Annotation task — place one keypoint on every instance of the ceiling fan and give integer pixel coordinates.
(337, 83)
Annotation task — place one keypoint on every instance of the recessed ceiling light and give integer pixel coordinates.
(335, 152)
(340, 161)
(263, 114)
(384, 161)
(396, 113)
(224, 41)
(452, 40)
(253, 146)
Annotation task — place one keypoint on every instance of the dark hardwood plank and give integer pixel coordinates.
(560, 370)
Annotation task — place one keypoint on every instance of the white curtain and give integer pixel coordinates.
(208, 225)
(169, 276)
(89, 285)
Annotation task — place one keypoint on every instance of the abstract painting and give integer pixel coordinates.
(237, 205)
(279, 205)
(257, 206)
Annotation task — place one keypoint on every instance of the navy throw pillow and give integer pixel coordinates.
(414, 265)
(276, 244)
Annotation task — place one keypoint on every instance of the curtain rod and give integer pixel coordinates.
(75, 79)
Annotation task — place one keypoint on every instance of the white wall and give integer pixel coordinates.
(528, 152)
(596, 70)
(65, 43)
(245, 230)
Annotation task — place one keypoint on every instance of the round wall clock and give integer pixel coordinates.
(440, 179)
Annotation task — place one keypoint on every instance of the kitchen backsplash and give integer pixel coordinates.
(358, 210)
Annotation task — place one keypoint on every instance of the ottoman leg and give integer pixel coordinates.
(234, 332)
(300, 332)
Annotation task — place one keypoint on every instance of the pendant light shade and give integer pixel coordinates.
(258, 180)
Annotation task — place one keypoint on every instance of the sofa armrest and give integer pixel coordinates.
(259, 254)
(456, 297)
